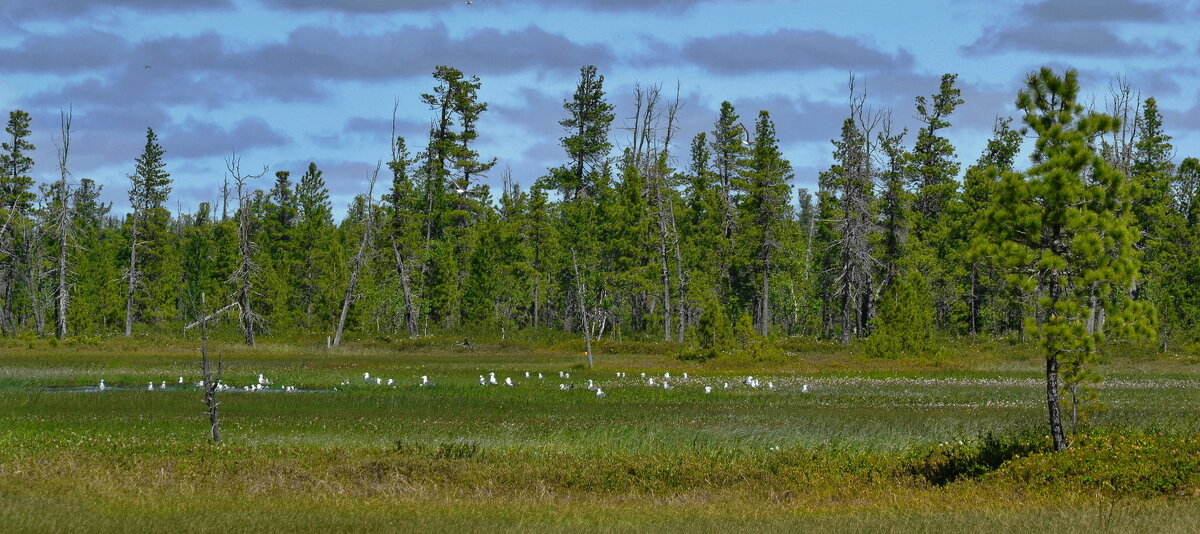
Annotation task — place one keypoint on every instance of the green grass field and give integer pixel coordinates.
(870, 446)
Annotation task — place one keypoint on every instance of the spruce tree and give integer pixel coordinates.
(150, 185)
(16, 199)
(763, 206)
(903, 325)
(589, 118)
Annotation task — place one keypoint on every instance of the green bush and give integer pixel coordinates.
(1121, 465)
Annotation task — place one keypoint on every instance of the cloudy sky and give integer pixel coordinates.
(284, 82)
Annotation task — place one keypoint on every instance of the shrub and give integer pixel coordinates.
(1122, 465)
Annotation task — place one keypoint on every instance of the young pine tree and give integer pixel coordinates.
(1064, 230)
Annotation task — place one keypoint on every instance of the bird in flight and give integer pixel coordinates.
(147, 66)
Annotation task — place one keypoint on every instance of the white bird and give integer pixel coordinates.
(163, 385)
(666, 375)
(425, 381)
(492, 378)
(685, 376)
(378, 381)
(151, 388)
(539, 376)
(560, 374)
(181, 380)
(562, 387)
(771, 386)
(101, 384)
(508, 381)
(707, 389)
(390, 382)
(366, 377)
(460, 190)
(591, 385)
(643, 375)
(566, 375)
(482, 380)
(727, 386)
(526, 374)
(667, 386)
(651, 382)
(261, 380)
(804, 389)
(600, 393)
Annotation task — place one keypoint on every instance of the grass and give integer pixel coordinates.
(872, 445)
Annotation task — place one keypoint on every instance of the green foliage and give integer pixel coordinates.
(904, 324)
(1136, 464)
(1064, 229)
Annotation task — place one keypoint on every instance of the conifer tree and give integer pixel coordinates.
(1064, 230)
(16, 198)
(589, 118)
(764, 207)
(904, 322)
(149, 188)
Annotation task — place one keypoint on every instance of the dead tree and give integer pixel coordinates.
(856, 224)
(586, 325)
(208, 380)
(132, 275)
(242, 278)
(651, 156)
(399, 165)
(360, 257)
(64, 225)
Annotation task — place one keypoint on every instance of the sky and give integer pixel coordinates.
(281, 83)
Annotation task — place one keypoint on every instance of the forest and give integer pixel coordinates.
(642, 233)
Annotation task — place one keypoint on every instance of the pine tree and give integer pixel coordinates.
(1064, 229)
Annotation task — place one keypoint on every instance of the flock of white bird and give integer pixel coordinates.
(664, 382)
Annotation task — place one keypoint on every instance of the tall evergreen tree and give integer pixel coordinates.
(150, 186)
(589, 118)
(764, 194)
(16, 198)
(1064, 230)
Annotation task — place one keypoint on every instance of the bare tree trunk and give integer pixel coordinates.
(132, 274)
(63, 223)
(1053, 395)
(580, 288)
(359, 259)
(410, 308)
(208, 381)
(243, 277)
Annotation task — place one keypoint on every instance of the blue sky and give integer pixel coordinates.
(284, 82)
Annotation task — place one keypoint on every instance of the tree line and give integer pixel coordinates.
(650, 236)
